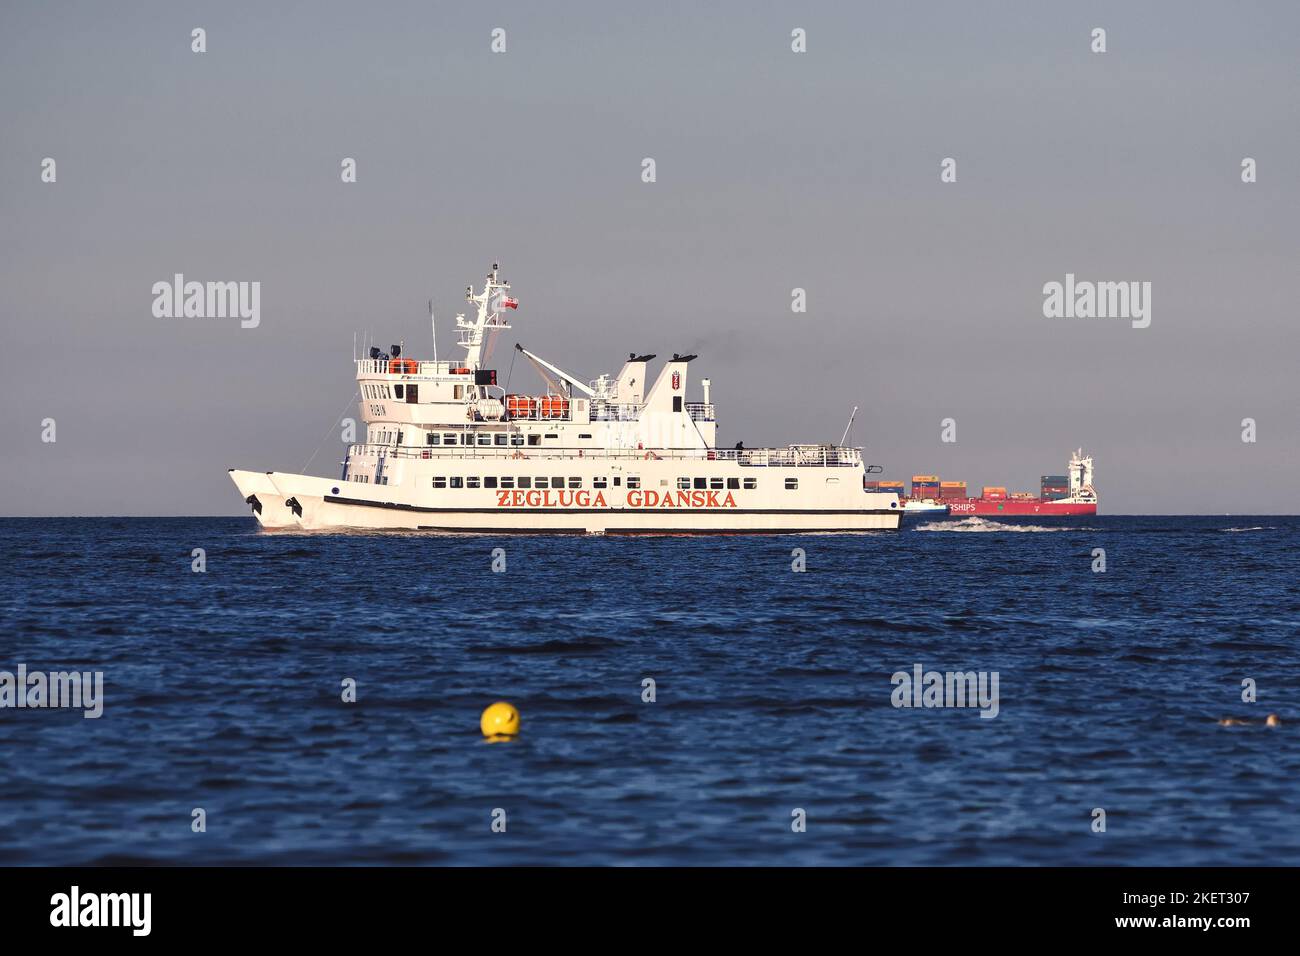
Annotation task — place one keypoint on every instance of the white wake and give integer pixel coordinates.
(974, 523)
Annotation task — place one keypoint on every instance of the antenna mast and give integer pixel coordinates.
(848, 426)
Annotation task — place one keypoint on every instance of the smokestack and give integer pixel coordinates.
(705, 382)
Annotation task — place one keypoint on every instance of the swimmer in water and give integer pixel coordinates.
(1272, 720)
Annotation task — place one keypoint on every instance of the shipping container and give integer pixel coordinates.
(1055, 479)
(925, 477)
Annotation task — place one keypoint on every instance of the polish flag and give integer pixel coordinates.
(506, 302)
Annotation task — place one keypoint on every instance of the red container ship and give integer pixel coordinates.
(1069, 494)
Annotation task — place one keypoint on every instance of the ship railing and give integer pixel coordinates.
(613, 412)
(700, 411)
(793, 456)
(403, 366)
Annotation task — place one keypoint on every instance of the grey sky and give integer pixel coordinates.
(775, 170)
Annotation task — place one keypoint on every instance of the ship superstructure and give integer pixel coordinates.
(447, 448)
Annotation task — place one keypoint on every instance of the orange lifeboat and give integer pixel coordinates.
(520, 406)
(554, 406)
(403, 367)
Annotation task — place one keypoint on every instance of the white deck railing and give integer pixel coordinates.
(817, 456)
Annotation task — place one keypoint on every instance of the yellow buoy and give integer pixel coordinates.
(499, 720)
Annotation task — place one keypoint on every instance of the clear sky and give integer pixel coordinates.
(775, 170)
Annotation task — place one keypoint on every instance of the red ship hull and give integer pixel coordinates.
(962, 507)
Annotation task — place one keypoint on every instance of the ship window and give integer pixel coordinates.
(534, 439)
(634, 481)
(791, 484)
(485, 438)
(499, 438)
(466, 438)
(457, 481)
(598, 482)
(677, 403)
(715, 483)
(516, 439)
(683, 483)
(575, 482)
(733, 483)
(490, 482)
(832, 481)
(448, 438)
(458, 391)
(440, 482)
(583, 436)
(471, 482)
(557, 482)
(412, 394)
(433, 438)
(751, 484)
(617, 481)
(552, 435)
(397, 391)
(525, 481)
(541, 483)
(507, 481)
(701, 483)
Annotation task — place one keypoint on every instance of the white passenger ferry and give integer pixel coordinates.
(448, 449)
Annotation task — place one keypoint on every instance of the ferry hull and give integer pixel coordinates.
(309, 503)
(1004, 507)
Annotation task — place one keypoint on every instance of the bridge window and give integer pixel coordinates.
(541, 483)
(575, 482)
(471, 482)
(557, 482)
(733, 483)
(525, 481)
(485, 438)
(683, 483)
(634, 481)
(534, 439)
(791, 484)
(507, 481)
(457, 481)
(598, 482)
(751, 484)
(701, 483)
(490, 481)
(499, 438)
(440, 482)
(715, 484)
(581, 435)
(433, 439)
